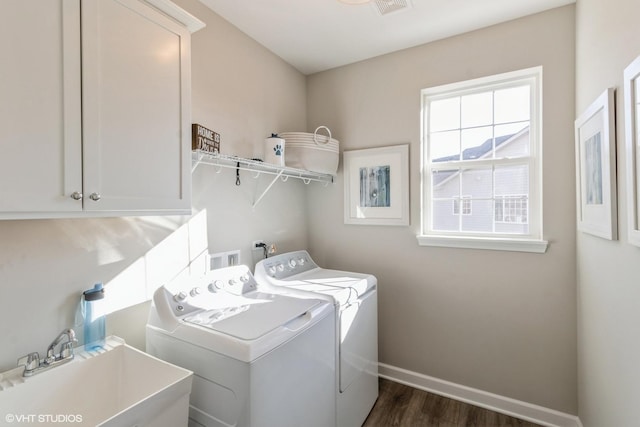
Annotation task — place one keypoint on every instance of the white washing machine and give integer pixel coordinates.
(356, 321)
(259, 359)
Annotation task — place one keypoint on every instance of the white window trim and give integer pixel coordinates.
(532, 242)
(490, 243)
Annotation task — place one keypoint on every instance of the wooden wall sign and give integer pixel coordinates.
(204, 139)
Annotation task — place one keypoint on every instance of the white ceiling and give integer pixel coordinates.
(316, 35)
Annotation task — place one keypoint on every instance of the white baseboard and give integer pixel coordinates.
(504, 405)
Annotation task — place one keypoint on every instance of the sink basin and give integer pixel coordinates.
(114, 386)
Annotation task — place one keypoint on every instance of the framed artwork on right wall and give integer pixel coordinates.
(632, 129)
(596, 168)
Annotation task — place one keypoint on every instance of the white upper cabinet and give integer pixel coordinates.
(122, 147)
(40, 121)
(136, 108)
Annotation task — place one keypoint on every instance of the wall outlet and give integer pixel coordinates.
(259, 250)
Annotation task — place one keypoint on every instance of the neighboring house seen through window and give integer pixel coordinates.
(482, 147)
(513, 209)
(465, 201)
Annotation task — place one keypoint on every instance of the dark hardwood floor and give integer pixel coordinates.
(401, 405)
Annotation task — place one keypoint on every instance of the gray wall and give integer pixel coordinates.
(240, 90)
(245, 93)
(608, 274)
(502, 322)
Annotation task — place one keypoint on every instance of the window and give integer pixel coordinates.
(466, 205)
(481, 148)
(512, 209)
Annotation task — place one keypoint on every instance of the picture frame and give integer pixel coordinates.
(596, 168)
(376, 186)
(632, 127)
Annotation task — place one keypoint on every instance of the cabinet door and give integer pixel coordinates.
(136, 109)
(40, 128)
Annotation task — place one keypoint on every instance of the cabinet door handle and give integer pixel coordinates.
(94, 196)
(76, 195)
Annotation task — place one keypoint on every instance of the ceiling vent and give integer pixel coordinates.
(385, 7)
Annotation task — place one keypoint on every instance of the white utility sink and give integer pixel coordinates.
(115, 386)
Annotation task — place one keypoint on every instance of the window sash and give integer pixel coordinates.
(531, 77)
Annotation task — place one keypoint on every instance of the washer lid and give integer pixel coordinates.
(342, 286)
(358, 282)
(253, 315)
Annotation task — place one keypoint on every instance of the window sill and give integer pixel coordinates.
(489, 243)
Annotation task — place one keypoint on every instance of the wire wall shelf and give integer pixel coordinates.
(257, 167)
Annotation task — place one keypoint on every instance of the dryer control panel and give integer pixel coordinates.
(286, 265)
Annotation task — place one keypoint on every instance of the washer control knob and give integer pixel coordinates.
(244, 278)
(195, 292)
(272, 269)
(280, 267)
(301, 261)
(292, 263)
(218, 284)
(180, 296)
(211, 287)
(233, 282)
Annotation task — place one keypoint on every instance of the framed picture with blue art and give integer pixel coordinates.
(376, 186)
(596, 168)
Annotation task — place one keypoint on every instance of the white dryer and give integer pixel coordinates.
(356, 321)
(259, 359)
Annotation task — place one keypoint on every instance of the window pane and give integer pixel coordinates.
(482, 218)
(477, 183)
(444, 114)
(443, 218)
(512, 105)
(512, 209)
(477, 143)
(510, 180)
(444, 146)
(477, 109)
(462, 206)
(510, 228)
(445, 184)
(512, 214)
(512, 140)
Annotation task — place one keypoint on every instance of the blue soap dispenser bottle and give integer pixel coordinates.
(93, 314)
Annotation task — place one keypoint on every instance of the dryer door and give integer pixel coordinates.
(359, 339)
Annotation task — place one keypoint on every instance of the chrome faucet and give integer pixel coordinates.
(32, 363)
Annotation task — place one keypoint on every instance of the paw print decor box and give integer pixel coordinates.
(274, 150)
